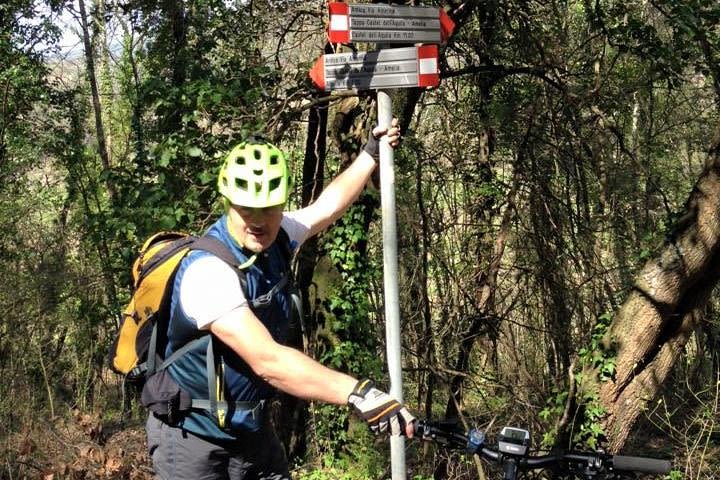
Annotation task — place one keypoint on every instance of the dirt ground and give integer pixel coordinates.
(79, 447)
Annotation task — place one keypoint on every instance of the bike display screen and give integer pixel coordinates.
(514, 441)
(514, 435)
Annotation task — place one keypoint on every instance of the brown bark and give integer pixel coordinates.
(293, 413)
(97, 109)
(485, 321)
(652, 327)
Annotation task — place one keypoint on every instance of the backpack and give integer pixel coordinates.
(138, 347)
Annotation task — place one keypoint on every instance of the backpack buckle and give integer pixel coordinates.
(263, 300)
(138, 371)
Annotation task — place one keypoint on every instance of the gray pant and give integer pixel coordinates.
(178, 455)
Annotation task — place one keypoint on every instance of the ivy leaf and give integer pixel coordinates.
(168, 222)
(193, 151)
(165, 157)
(206, 177)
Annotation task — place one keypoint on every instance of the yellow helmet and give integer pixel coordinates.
(255, 174)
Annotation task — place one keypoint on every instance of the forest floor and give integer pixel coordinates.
(79, 447)
(83, 446)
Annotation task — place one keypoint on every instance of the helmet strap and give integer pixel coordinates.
(251, 260)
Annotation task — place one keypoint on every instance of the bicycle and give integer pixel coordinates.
(512, 453)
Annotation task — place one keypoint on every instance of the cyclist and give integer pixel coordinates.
(207, 295)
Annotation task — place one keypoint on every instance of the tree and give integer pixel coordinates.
(649, 332)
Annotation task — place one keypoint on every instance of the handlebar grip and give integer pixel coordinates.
(640, 464)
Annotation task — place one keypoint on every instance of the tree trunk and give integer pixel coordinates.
(92, 79)
(549, 244)
(106, 83)
(485, 321)
(421, 297)
(134, 95)
(294, 413)
(652, 327)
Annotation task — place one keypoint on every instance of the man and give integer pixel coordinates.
(250, 361)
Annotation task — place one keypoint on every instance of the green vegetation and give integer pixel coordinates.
(566, 168)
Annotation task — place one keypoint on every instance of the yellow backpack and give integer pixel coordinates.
(138, 348)
(143, 327)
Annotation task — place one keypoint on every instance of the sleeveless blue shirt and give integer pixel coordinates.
(241, 383)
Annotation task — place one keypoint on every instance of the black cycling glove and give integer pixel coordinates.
(373, 145)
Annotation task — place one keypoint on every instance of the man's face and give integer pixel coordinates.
(255, 228)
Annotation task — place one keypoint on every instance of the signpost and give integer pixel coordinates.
(408, 67)
(389, 68)
(390, 279)
(387, 24)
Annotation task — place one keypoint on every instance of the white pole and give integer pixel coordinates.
(390, 277)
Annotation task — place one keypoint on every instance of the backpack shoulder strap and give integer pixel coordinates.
(283, 240)
(188, 242)
(212, 245)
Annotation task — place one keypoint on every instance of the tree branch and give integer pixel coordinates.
(498, 72)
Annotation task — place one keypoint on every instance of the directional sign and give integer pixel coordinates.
(388, 68)
(388, 24)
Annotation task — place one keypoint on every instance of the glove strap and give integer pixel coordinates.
(372, 146)
(362, 387)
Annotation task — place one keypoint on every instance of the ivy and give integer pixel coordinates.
(597, 356)
(347, 311)
(588, 431)
(347, 308)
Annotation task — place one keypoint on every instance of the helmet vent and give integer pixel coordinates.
(258, 187)
(274, 183)
(241, 184)
(258, 172)
(257, 153)
(273, 160)
(240, 160)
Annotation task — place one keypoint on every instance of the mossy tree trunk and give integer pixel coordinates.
(652, 327)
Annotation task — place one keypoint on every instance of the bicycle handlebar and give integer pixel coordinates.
(641, 464)
(449, 436)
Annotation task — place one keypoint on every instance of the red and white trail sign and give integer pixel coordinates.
(381, 23)
(382, 69)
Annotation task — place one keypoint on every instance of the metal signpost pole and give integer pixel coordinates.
(390, 277)
(405, 67)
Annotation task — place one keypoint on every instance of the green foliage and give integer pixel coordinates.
(356, 457)
(587, 429)
(596, 355)
(347, 313)
(329, 428)
(347, 308)
(674, 475)
(185, 118)
(554, 408)
(590, 432)
(601, 361)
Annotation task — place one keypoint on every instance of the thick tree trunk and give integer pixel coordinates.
(652, 327)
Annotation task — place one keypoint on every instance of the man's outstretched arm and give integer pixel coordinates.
(295, 373)
(346, 187)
